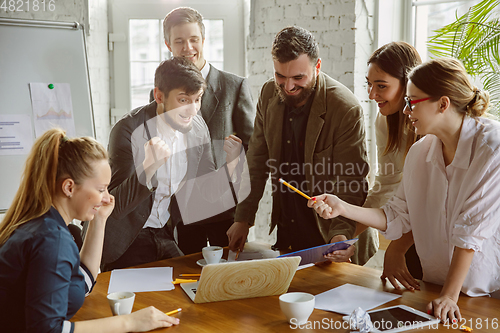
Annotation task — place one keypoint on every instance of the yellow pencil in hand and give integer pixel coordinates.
(295, 189)
(173, 312)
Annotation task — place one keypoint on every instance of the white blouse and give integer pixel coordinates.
(457, 205)
(389, 167)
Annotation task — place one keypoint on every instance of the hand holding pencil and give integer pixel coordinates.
(328, 206)
(147, 319)
(173, 312)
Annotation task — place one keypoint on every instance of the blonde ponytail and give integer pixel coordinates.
(53, 157)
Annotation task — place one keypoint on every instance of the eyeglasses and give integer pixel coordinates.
(410, 103)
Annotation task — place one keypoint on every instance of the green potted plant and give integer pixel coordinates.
(474, 38)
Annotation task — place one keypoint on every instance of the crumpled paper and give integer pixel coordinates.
(360, 321)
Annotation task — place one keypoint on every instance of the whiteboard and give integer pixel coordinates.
(40, 51)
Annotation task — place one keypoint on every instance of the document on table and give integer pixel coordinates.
(304, 266)
(252, 251)
(348, 297)
(141, 279)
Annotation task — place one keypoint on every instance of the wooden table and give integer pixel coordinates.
(264, 314)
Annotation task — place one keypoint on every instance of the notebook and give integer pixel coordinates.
(242, 279)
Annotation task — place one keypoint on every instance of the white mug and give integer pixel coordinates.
(297, 307)
(212, 254)
(121, 303)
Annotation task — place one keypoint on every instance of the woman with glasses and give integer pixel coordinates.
(449, 193)
(43, 277)
(386, 80)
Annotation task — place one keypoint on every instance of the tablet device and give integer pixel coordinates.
(398, 318)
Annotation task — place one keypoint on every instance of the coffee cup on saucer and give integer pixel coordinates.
(212, 254)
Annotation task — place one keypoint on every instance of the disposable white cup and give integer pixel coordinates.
(212, 254)
(297, 307)
(121, 302)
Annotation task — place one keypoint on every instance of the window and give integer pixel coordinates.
(146, 52)
(138, 46)
(414, 21)
(432, 15)
(147, 49)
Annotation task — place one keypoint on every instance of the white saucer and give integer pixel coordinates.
(203, 262)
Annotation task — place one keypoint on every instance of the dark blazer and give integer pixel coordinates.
(335, 153)
(227, 108)
(133, 198)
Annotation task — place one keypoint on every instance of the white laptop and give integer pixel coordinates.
(243, 279)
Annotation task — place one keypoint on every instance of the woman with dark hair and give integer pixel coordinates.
(449, 193)
(43, 278)
(386, 79)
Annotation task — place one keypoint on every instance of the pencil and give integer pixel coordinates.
(173, 312)
(237, 254)
(189, 274)
(293, 188)
(179, 281)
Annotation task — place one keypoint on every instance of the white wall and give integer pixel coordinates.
(98, 59)
(68, 11)
(365, 44)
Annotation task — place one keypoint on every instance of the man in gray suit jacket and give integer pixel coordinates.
(226, 107)
(156, 151)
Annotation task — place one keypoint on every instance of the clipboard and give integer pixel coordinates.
(315, 254)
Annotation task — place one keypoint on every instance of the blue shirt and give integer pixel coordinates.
(42, 282)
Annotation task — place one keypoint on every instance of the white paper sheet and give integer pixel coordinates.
(16, 135)
(141, 279)
(254, 250)
(346, 298)
(304, 266)
(52, 107)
